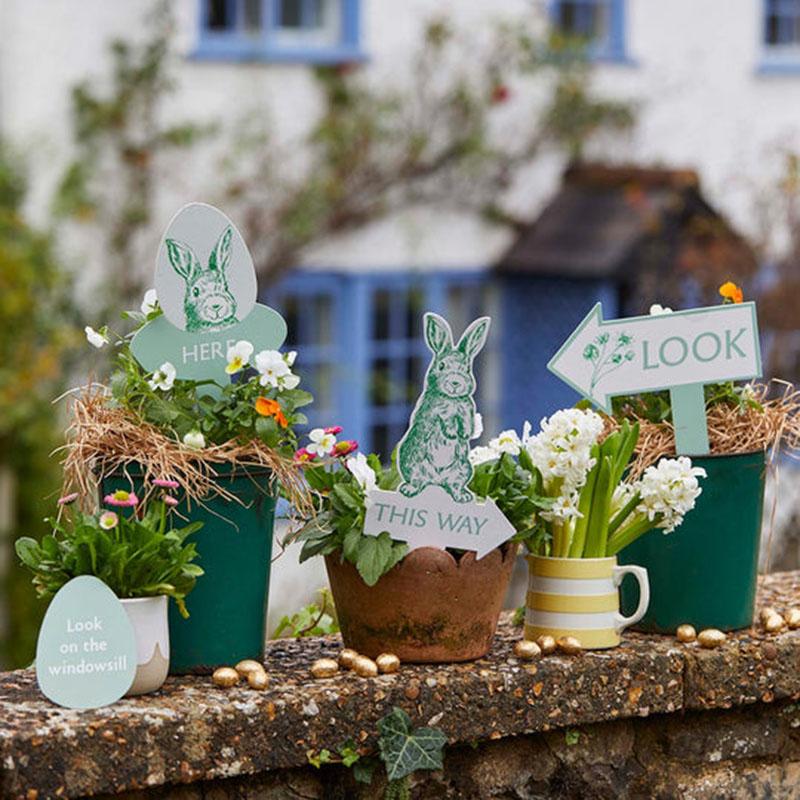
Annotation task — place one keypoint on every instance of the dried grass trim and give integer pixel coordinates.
(730, 431)
(103, 440)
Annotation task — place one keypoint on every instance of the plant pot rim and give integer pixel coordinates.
(760, 450)
(567, 558)
(144, 599)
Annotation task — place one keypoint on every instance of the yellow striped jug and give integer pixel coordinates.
(580, 597)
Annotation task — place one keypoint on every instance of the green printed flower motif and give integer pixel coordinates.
(606, 360)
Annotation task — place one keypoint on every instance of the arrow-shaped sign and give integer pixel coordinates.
(679, 352)
(434, 519)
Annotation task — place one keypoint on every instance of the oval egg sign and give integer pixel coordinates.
(86, 652)
(205, 279)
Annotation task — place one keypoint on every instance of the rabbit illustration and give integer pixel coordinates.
(207, 303)
(435, 448)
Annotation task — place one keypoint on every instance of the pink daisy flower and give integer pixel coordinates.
(67, 499)
(302, 456)
(121, 498)
(165, 483)
(108, 520)
(345, 447)
(334, 429)
(170, 500)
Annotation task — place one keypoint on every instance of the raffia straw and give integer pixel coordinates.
(104, 440)
(774, 429)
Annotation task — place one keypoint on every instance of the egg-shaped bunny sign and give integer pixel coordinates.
(206, 286)
(434, 506)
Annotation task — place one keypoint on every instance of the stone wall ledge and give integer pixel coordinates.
(193, 732)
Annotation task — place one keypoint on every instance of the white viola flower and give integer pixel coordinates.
(477, 427)
(238, 356)
(321, 443)
(95, 338)
(656, 310)
(290, 357)
(360, 469)
(194, 440)
(274, 370)
(163, 378)
(480, 455)
(669, 491)
(506, 442)
(149, 302)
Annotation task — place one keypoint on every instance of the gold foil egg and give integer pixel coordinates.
(324, 668)
(711, 637)
(774, 623)
(686, 633)
(257, 679)
(387, 663)
(547, 644)
(244, 668)
(527, 650)
(225, 677)
(569, 645)
(365, 667)
(793, 618)
(347, 658)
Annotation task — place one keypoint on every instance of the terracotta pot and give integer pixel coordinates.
(429, 608)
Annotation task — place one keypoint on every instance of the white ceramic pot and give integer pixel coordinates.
(148, 616)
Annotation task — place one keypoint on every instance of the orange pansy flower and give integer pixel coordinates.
(271, 408)
(731, 292)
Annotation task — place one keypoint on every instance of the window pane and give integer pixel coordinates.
(585, 18)
(413, 316)
(291, 13)
(290, 313)
(319, 319)
(218, 14)
(415, 375)
(381, 442)
(252, 15)
(381, 311)
(381, 383)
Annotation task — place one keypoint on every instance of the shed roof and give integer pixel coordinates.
(599, 216)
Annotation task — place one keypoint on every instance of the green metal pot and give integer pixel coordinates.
(704, 573)
(228, 606)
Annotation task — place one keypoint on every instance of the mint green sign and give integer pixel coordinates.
(86, 652)
(435, 448)
(680, 352)
(206, 285)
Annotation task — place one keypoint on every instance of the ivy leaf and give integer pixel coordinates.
(405, 749)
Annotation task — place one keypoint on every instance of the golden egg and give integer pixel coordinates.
(527, 650)
(258, 680)
(324, 668)
(244, 668)
(569, 645)
(387, 663)
(347, 658)
(547, 644)
(225, 676)
(686, 633)
(766, 611)
(793, 618)
(774, 623)
(365, 667)
(711, 637)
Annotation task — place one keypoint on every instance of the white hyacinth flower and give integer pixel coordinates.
(507, 442)
(149, 302)
(95, 338)
(656, 310)
(238, 356)
(480, 455)
(669, 491)
(194, 440)
(163, 378)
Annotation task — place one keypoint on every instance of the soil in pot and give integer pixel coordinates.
(432, 607)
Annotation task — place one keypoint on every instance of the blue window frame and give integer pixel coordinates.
(304, 31)
(600, 23)
(361, 350)
(781, 36)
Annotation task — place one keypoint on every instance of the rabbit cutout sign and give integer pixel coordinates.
(206, 286)
(434, 505)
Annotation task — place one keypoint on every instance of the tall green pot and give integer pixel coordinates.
(228, 606)
(705, 572)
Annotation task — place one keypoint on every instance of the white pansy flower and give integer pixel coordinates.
(149, 302)
(194, 440)
(360, 469)
(238, 356)
(274, 369)
(321, 443)
(477, 427)
(163, 378)
(95, 338)
(657, 310)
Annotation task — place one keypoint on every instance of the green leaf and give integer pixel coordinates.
(405, 750)
(27, 551)
(374, 556)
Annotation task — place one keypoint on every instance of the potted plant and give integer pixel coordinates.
(594, 511)
(716, 553)
(135, 550)
(424, 605)
(226, 450)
